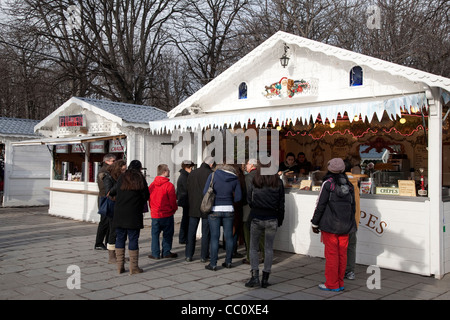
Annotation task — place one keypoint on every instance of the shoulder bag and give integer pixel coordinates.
(208, 198)
(106, 206)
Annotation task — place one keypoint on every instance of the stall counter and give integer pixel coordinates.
(74, 200)
(393, 233)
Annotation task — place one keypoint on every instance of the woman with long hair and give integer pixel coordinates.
(131, 191)
(113, 173)
(265, 196)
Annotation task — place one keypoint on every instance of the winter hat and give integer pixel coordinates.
(336, 165)
(253, 161)
(135, 164)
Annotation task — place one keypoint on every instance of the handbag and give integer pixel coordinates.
(106, 207)
(208, 198)
(145, 209)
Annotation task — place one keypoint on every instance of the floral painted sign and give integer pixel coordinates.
(286, 88)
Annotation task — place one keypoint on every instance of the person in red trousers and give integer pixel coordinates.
(334, 216)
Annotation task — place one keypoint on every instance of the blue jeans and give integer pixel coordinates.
(133, 238)
(166, 226)
(215, 219)
(192, 236)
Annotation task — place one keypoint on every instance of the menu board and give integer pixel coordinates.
(305, 185)
(117, 145)
(62, 148)
(407, 188)
(78, 148)
(97, 147)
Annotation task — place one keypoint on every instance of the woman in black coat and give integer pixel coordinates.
(110, 178)
(131, 192)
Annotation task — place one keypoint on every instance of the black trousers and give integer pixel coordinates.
(102, 231)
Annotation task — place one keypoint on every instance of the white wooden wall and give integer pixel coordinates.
(446, 206)
(27, 174)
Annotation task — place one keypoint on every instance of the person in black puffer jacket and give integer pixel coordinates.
(335, 217)
(266, 198)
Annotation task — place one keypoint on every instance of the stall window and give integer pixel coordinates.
(356, 76)
(243, 91)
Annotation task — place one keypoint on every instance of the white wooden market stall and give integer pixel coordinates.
(81, 132)
(329, 102)
(24, 170)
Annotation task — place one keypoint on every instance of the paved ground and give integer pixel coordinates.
(36, 251)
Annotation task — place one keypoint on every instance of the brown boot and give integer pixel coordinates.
(112, 257)
(134, 257)
(112, 253)
(120, 260)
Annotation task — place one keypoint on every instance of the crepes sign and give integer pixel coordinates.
(373, 222)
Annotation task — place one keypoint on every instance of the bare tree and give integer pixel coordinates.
(207, 27)
(109, 47)
(414, 33)
(27, 88)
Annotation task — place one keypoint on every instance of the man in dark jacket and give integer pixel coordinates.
(195, 184)
(103, 225)
(182, 198)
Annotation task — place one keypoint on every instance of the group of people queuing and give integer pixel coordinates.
(248, 205)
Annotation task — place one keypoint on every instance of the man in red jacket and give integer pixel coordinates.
(163, 205)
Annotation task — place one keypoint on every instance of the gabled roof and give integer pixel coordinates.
(411, 74)
(131, 113)
(17, 127)
(124, 114)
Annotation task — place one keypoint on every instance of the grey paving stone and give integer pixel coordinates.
(36, 249)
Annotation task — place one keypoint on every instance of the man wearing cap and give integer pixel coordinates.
(182, 198)
(334, 216)
(195, 184)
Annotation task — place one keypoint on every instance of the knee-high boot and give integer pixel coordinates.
(111, 253)
(134, 258)
(120, 260)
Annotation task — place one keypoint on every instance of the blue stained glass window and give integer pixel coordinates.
(243, 91)
(356, 76)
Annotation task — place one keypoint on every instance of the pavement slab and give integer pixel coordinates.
(37, 252)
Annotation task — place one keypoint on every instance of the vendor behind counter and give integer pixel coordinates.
(304, 166)
(288, 165)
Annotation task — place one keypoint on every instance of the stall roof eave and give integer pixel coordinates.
(366, 108)
(67, 140)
